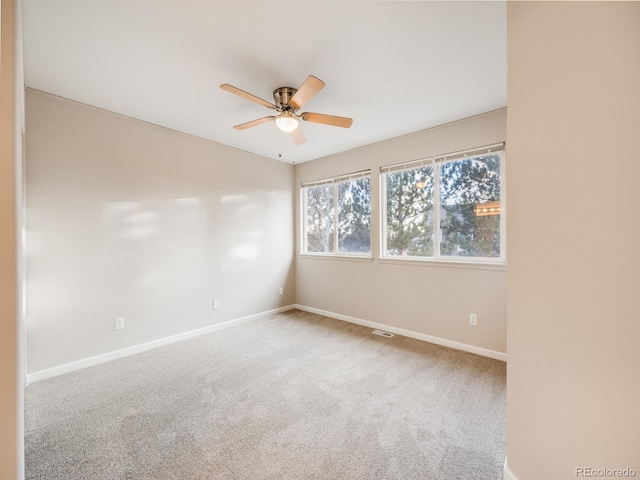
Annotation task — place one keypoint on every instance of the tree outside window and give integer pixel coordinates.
(338, 216)
(467, 220)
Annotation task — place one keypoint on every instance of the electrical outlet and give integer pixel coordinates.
(119, 323)
(281, 290)
(473, 319)
(216, 303)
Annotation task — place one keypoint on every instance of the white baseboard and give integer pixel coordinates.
(107, 357)
(125, 352)
(409, 333)
(508, 474)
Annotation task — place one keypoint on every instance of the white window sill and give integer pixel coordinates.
(337, 256)
(466, 264)
(422, 262)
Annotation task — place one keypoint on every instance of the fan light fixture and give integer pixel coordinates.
(287, 122)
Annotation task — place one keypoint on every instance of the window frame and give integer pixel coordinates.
(334, 181)
(435, 162)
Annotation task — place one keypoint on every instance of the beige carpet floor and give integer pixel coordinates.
(292, 396)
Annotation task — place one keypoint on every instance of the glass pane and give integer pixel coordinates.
(354, 216)
(409, 221)
(470, 207)
(320, 219)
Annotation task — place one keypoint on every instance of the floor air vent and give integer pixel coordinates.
(382, 334)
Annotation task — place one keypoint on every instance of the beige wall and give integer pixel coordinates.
(11, 115)
(574, 224)
(128, 219)
(432, 299)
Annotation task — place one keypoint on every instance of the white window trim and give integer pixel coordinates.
(435, 161)
(365, 256)
(339, 179)
(464, 263)
(355, 257)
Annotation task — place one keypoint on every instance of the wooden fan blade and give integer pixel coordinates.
(253, 123)
(327, 119)
(306, 92)
(298, 137)
(248, 96)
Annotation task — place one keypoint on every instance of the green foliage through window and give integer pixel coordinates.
(409, 222)
(466, 220)
(338, 217)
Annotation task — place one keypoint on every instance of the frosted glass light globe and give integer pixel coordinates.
(287, 122)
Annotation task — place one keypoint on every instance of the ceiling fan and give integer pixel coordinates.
(287, 101)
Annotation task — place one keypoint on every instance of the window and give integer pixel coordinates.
(337, 215)
(447, 207)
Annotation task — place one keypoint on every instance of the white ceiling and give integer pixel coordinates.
(394, 67)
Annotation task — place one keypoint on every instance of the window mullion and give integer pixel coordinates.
(436, 209)
(304, 220)
(383, 216)
(503, 209)
(335, 218)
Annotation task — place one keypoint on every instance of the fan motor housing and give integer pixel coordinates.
(283, 96)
